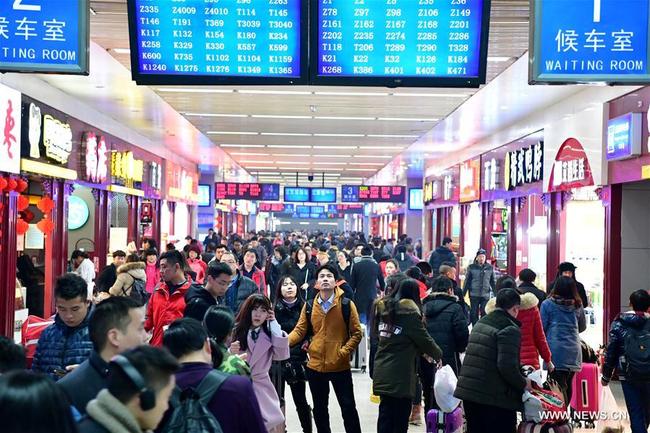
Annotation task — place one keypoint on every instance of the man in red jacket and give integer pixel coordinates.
(248, 269)
(168, 300)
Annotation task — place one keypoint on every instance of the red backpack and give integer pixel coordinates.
(32, 329)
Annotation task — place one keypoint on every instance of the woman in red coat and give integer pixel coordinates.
(533, 339)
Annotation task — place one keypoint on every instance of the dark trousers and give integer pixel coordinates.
(298, 392)
(564, 380)
(394, 414)
(489, 419)
(319, 385)
(477, 305)
(427, 376)
(637, 400)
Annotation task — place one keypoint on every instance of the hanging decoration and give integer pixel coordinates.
(45, 205)
(21, 185)
(3, 183)
(11, 184)
(22, 203)
(45, 225)
(21, 227)
(27, 215)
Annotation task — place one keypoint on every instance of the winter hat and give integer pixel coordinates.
(481, 251)
(566, 266)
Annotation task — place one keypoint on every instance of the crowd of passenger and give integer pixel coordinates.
(220, 328)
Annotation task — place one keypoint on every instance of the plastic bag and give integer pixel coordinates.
(610, 416)
(443, 389)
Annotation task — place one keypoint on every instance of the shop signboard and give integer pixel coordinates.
(524, 166)
(10, 121)
(44, 36)
(182, 184)
(442, 189)
(470, 181)
(571, 168)
(126, 169)
(589, 40)
(94, 160)
(491, 174)
(34, 122)
(624, 137)
(57, 139)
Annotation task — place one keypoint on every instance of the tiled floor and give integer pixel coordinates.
(368, 410)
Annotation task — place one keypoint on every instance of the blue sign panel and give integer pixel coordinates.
(271, 191)
(350, 193)
(624, 137)
(204, 196)
(209, 42)
(44, 36)
(296, 194)
(590, 40)
(323, 195)
(416, 199)
(401, 43)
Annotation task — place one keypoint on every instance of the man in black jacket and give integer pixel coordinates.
(490, 382)
(441, 255)
(568, 269)
(108, 275)
(527, 278)
(199, 299)
(240, 287)
(364, 279)
(116, 325)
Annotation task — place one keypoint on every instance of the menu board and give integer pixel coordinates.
(373, 194)
(296, 194)
(246, 191)
(218, 41)
(400, 42)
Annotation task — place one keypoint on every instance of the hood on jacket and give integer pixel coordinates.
(528, 301)
(443, 250)
(135, 269)
(197, 291)
(564, 304)
(634, 319)
(436, 302)
(406, 306)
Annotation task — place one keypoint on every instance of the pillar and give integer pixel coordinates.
(8, 258)
(612, 198)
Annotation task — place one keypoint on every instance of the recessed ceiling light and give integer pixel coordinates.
(250, 161)
(329, 163)
(296, 155)
(370, 163)
(392, 136)
(360, 169)
(232, 133)
(336, 147)
(292, 162)
(278, 116)
(121, 50)
(408, 119)
(288, 146)
(343, 118)
(382, 147)
(272, 92)
(241, 145)
(256, 167)
(215, 115)
(351, 93)
(288, 134)
(339, 135)
(249, 154)
(192, 90)
(374, 156)
(332, 156)
(433, 95)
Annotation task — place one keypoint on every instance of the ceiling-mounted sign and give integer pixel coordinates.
(126, 169)
(470, 181)
(589, 40)
(571, 168)
(246, 191)
(524, 166)
(57, 139)
(95, 158)
(491, 173)
(44, 36)
(10, 124)
(624, 137)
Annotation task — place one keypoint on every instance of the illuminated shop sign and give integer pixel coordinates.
(35, 125)
(155, 175)
(125, 168)
(95, 160)
(448, 187)
(470, 181)
(571, 168)
(57, 139)
(524, 166)
(10, 122)
(624, 137)
(491, 173)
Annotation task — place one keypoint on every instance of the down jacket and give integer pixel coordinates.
(164, 308)
(616, 346)
(490, 373)
(562, 322)
(439, 256)
(60, 346)
(480, 280)
(126, 276)
(533, 339)
(447, 325)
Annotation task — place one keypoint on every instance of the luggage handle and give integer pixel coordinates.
(585, 396)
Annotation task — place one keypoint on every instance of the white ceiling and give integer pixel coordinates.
(277, 131)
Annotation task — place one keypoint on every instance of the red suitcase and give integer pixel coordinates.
(586, 392)
(531, 427)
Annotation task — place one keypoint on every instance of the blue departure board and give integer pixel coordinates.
(400, 42)
(323, 195)
(296, 194)
(218, 41)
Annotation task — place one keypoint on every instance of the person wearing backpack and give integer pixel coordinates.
(130, 276)
(140, 382)
(226, 404)
(628, 354)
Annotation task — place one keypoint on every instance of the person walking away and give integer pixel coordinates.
(219, 323)
(233, 405)
(198, 299)
(240, 287)
(168, 300)
(527, 278)
(333, 341)
(490, 384)
(563, 318)
(533, 339)
(250, 270)
(446, 323)
(108, 275)
(258, 334)
(127, 275)
(85, 268)
(365, 279)
(116, 325)
(140, 383)
(568, 269)
(479, 283)
(151, 270)
(66, 343)
(209, 253)
(403, 259)
(446, 270)
(402, 338)
(196, 264)
(442, 254)
(288, 306)
(627, 354)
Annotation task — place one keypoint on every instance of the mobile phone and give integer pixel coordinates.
(60, 372)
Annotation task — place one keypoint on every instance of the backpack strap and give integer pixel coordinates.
(209, 385)
(346, 309)
(309, 306)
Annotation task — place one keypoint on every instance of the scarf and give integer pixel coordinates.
(112, 414)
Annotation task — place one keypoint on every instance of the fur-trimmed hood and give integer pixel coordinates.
(439, 295)
(134, 269)
(528, 301)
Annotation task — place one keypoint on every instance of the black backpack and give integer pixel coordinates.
(138, 292)
(189, 412)
(637, 353)
(345, 309)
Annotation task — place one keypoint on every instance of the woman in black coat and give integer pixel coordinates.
(288, 306)
(302, 271)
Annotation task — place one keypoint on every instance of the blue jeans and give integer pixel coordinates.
(637, 400)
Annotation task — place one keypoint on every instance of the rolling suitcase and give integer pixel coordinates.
(586, 392)
(359, 359)
(441, 422)
(531, 427)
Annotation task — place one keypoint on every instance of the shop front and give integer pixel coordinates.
(468, 214)
(182, 196)
(442, 215)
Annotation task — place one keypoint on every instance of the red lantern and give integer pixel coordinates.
(3, 183)
(21, 185)
(45, 205)
(27, 215)
(11, 184)
(45, 225)
(21, 227)
(23, 203)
